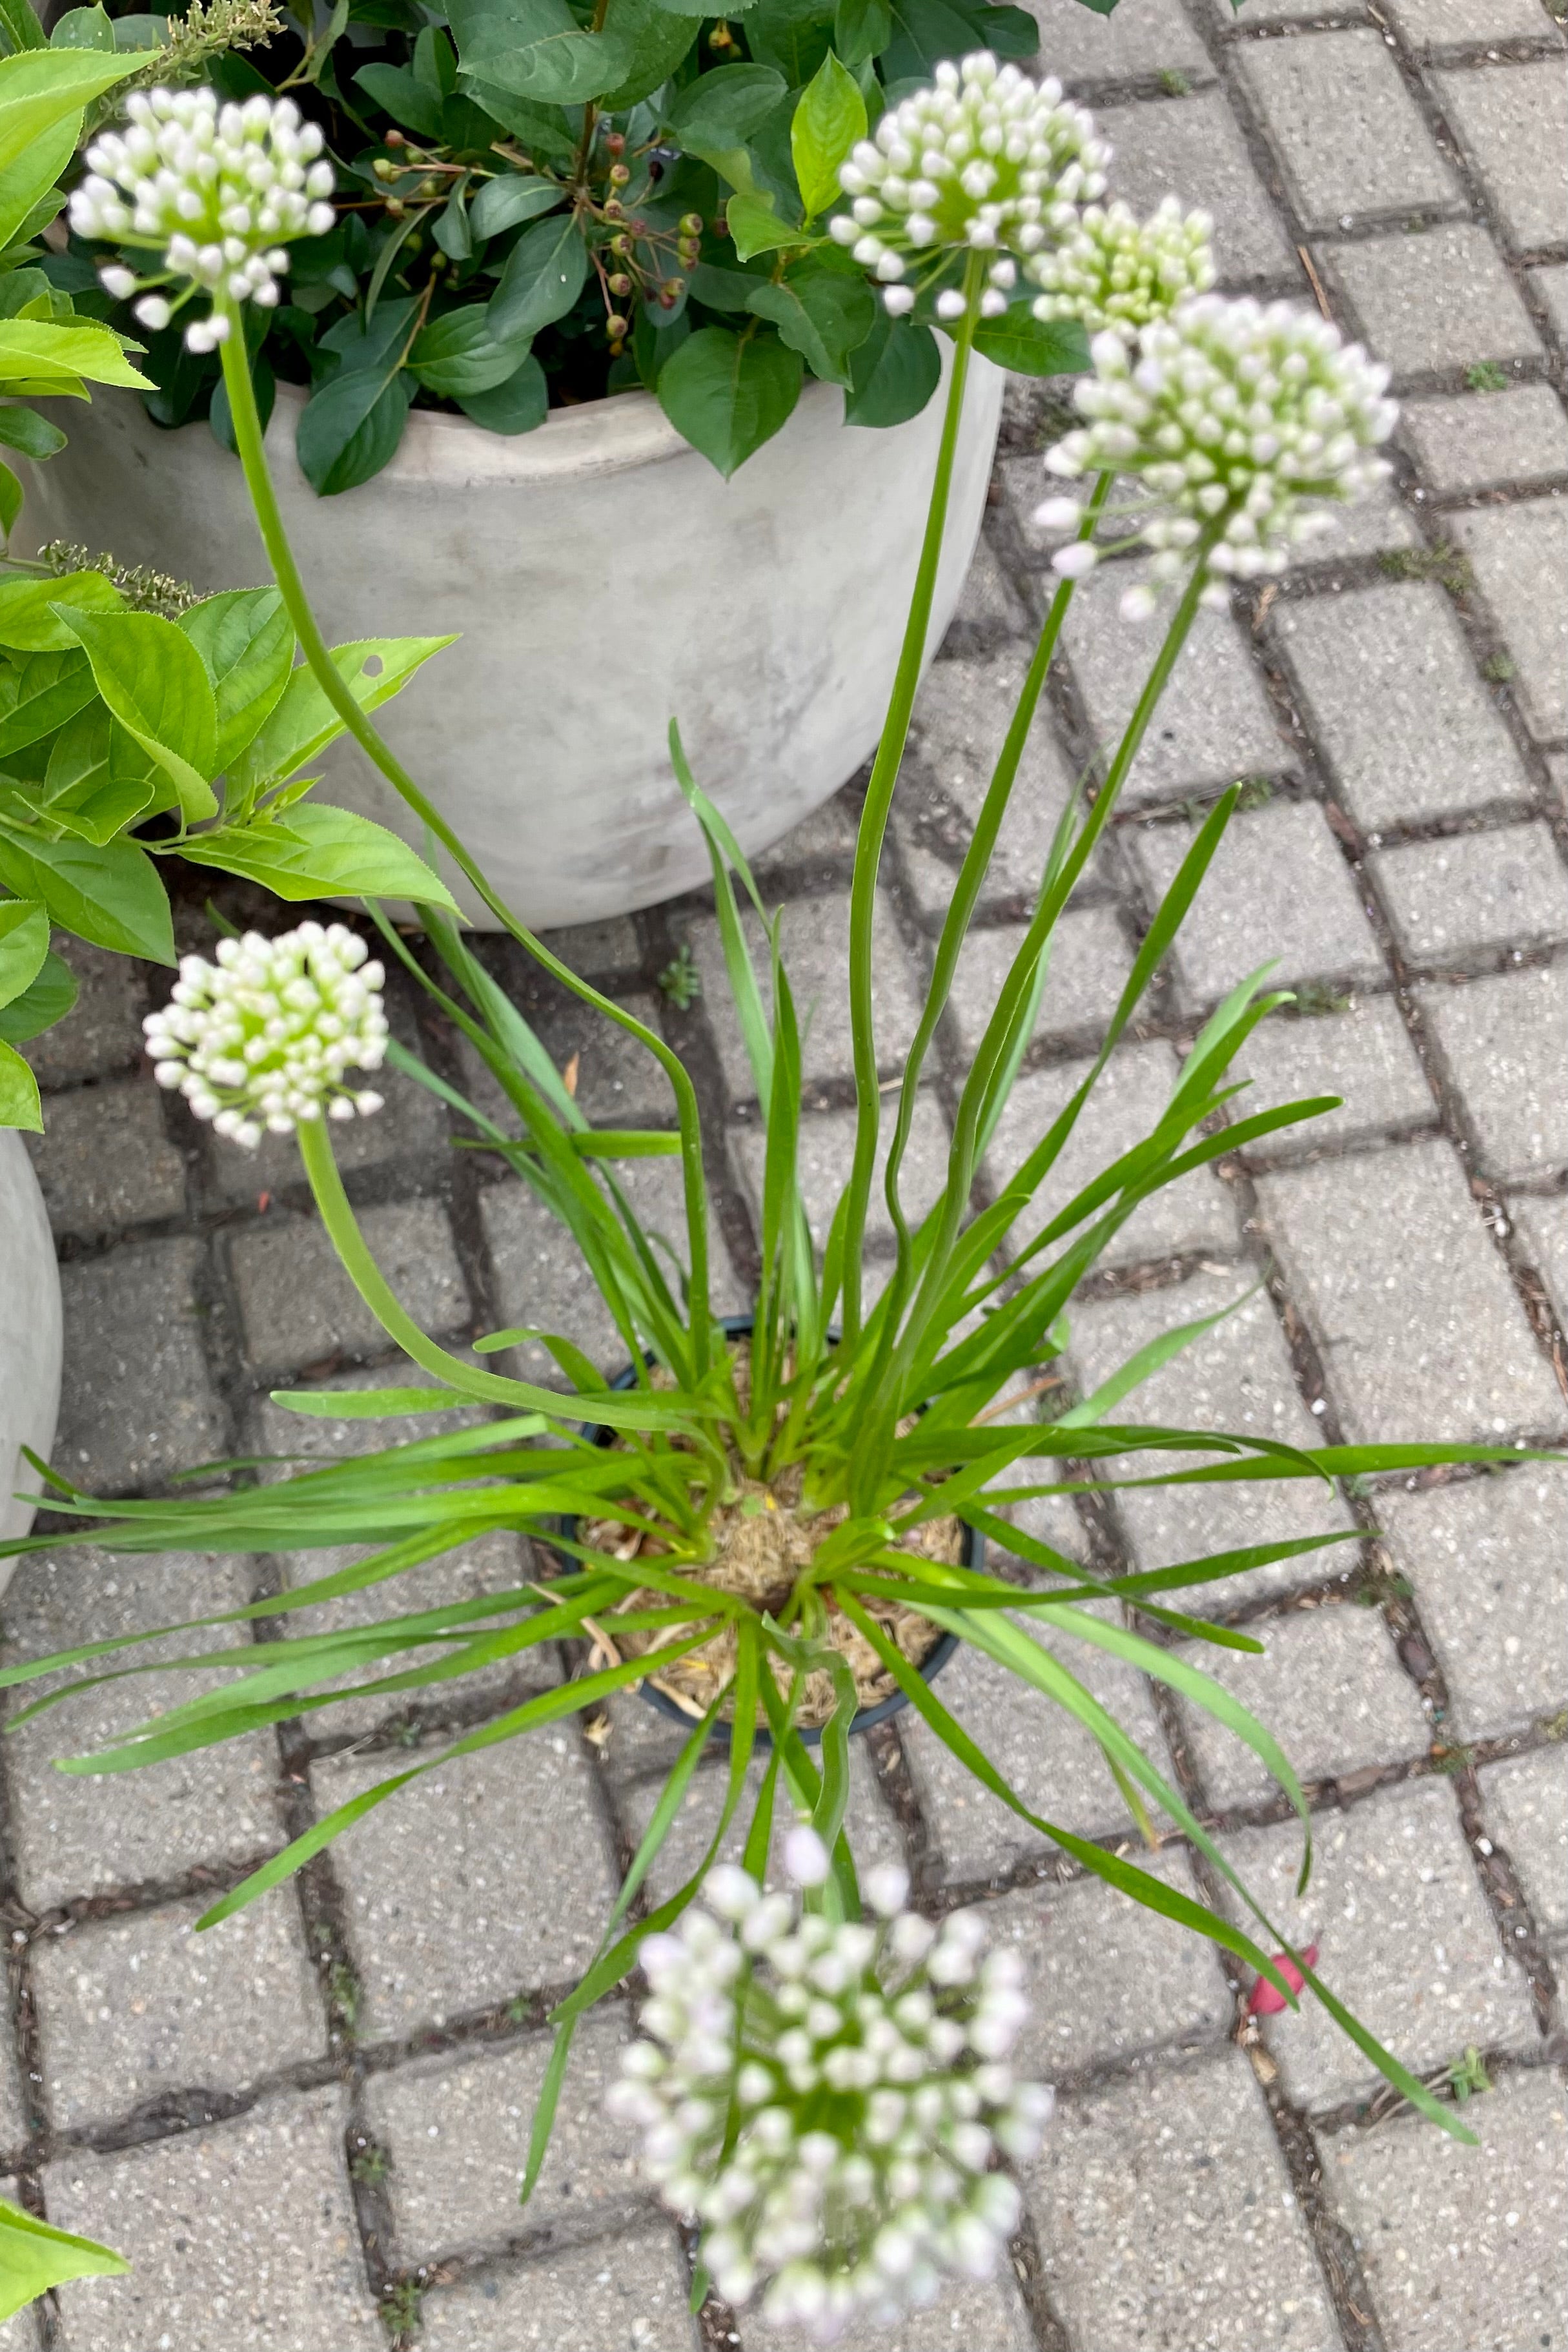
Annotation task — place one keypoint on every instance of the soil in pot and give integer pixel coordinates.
(762, 1545)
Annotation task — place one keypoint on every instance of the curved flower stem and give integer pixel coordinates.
(879, 802)
(248, 440)
(354, 1252)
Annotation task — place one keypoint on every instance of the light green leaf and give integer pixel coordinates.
(111, 894)
(38, 356)
(19, 1104)
(24, 944)
(862, 29)
(756, 227)
(38, 1008)
(39, 693)
(28, 621)
(155, 682)
(34, 173)
(35, 2257)
(40, 88)
(303, 722)
(246, 640)
(320, 851)
(829, 118)
(716, 116)
(366, 1404)
(1031, 346)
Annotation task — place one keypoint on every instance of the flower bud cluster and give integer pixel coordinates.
(985, 160)
(1117, 273)
(1234, 420)
(827, 2100)
(262, 1038)
(218, 193)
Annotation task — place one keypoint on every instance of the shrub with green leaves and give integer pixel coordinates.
(774, 1527)
(128, 736)
(543, 201)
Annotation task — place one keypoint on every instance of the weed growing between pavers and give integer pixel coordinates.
(777, 1527)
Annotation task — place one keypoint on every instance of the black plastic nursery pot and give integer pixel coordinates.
(738, 1327)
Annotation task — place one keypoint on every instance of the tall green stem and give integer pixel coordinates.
(964, 1151)
(879, 802)
(967, 891)
(249, 442)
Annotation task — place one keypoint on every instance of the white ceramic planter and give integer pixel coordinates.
(29, 1335)
(604, 579)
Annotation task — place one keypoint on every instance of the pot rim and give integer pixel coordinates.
(595, 438)
(624, 431)
(865, 1719)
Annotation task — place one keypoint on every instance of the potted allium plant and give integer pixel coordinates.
(565, 259)
(823, 2079)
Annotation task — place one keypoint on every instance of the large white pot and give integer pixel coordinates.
(29, 1336)
(604, 579)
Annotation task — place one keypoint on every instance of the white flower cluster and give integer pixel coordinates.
(217, 192)
(986, 161)
(831, 2122)
(1232, 417)
(1117, 273)
(262, 1038)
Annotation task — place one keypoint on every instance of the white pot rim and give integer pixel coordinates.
(595, 438)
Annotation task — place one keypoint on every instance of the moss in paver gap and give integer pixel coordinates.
(1134, 2158)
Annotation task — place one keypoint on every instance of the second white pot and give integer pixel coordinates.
(29, 1337)
(605, 579)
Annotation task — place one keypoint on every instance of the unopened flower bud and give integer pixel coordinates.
(616, 328)
(619, 284)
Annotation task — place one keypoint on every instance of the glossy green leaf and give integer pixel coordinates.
(722, 109)
(303, 722)
(509, 201)
(317, 852)
(519, 405)
(457, 354)
(10, 500)
(35, 436)
(862, 29)
(351, 426)
(154, 681)
(246, 640)
(728, 394)
(830, 117)
(19, 21)
(35, 2257)
(892, 373)
(536, 49)
(657, 39)
(825, 314)
(110, 896)
(399, 93)
(545, 273)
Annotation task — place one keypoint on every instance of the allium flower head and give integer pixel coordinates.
(263, 1037)
(1234, 419)
(984, 161)
(862, 2072)
(218, 193)
(1118, 273)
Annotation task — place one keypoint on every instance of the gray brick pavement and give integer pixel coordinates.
(196, 2099)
